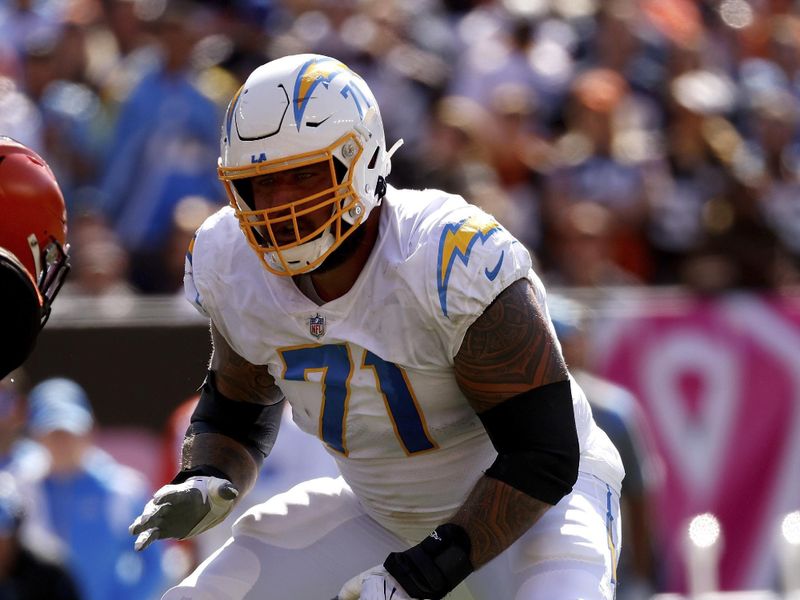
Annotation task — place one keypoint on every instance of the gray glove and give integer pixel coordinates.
(182, 510)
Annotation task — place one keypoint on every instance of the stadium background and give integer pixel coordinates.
(646, 151)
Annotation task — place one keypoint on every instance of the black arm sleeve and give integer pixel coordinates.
(536, 439)
(255, 426)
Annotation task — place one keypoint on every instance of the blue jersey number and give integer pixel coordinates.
(335, 363)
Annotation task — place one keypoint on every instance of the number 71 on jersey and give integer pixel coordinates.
(336, 365)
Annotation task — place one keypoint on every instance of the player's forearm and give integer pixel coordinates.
(222, 453)
(230, 438)
(494, 516)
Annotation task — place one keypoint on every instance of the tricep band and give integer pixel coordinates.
(536, 439)
(255, 426)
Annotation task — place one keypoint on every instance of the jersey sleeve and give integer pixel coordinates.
(190, 289)
(210, 267)
(476, 258)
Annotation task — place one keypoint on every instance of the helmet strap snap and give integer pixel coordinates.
(380, 187)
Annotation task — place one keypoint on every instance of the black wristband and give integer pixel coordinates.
(198, 471)
(435, 566)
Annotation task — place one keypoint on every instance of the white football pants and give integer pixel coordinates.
(305, 543)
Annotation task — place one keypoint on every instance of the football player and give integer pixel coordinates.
(410, 334)
(33, 249)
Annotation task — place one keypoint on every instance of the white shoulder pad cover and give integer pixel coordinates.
(189, 285)
(207, 247)
(476, 258)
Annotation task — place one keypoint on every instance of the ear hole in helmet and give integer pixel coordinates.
(244, 187)
(374, 159)
(340, 169)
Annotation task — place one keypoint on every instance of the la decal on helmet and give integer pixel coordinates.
(292, 112)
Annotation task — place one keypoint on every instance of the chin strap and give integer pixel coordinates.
(380, 188)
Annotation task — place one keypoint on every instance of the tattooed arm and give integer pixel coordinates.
(511, 371)
(508, 350)
(241, 381)
(232, 429)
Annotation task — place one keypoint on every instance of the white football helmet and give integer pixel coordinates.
(292, 112)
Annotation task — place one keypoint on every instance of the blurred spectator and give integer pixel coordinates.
(121, 50)
(26, 461)
(603, 157)
(519, 153)
(20, 118)
(784, 47)
(165, 138)
(23, 573)
(19, 456)
(700, 142)
(631, 40)
(99, 261)
(505, 47)
(739, 249)
(75, 121)
(770, 161)
(617, 413)
(23, 20)
(9, 62)
(242, 29)
(88, 499)
(581, 252)
(41, 63)
(454, 156)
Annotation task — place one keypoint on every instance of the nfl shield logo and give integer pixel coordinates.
(316, 326)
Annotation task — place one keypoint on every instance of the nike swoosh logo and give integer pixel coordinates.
(318, 123)
(490, 275)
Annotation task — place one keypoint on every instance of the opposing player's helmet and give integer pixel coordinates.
(33, 227)
(293, 112)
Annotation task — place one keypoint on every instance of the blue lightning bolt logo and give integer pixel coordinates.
(229, 116)
(314, 72)
(456, 242)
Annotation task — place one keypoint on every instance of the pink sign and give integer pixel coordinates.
(719, 381)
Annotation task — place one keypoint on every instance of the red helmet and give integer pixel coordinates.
(33, 219)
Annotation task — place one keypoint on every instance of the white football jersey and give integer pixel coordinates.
(371, 373)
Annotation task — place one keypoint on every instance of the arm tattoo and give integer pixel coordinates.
(495, 515)
(239, 379)
(508, 350)
(225, 454)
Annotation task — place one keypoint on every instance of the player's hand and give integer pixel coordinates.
(183, 510)
(373, 584)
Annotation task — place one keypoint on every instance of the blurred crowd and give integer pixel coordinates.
(624, 142)
(65, 503)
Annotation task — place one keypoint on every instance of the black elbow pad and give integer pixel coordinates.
(536, 439)
(255, 426)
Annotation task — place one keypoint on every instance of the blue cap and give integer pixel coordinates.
(59, 405)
